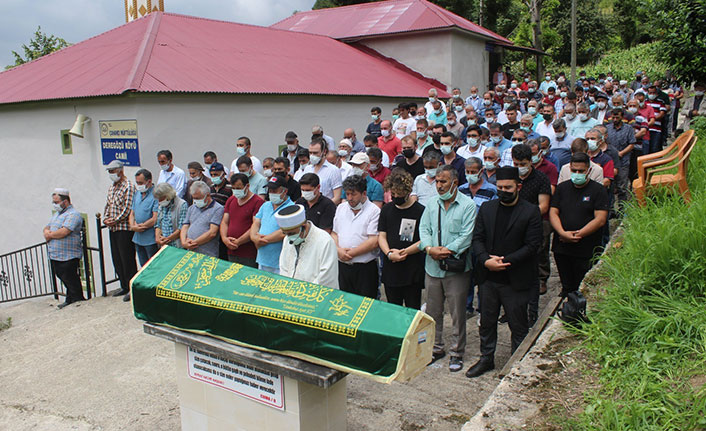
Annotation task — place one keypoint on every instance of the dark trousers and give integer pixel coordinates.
(122, 250)
(359, 278)
(67, 272)
(655, 142)
(409, 296)
(492, 296)
(545, 266)
(247, 261)
(571, 271)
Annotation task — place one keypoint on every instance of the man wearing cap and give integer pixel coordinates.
(265, 232)
(340, 158)
(360, 163)
(196, 173)
(506, 238)
(317, 132)
(63, 236)
(308, 253)
(600, 111)
(116, 216)
(220, 192)
(320, 210)
(169, 173)
(291, 151)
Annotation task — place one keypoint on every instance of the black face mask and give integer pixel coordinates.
(413, 113)
(506, 197)
(408, 153)
(547, 117)
(436, 138)
(399, 201)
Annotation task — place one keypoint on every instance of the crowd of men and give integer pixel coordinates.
(453, 196)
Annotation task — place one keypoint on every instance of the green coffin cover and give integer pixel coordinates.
(257, 309)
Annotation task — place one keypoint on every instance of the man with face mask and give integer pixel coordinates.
(600, 111)
(196, 173)
(317, 132)
(238, 214)
(448, 149)
(621, 137)
(424, 186)
(433, 97)
(291, 151)
(583, 122)
(143, 216)
(409, 160)
(219, 188)
(320, 210)
(405, 124)
(361, 164)
(491, 162)
(116, 216)
(476, 187)
(171, 216)
(389, 142)
(473, 147)
(374, 127)
(265, 232)
(308, 253)
(171, 174)
(63, 237)
(371, 141)
(694, 106)
(474, 100)
(329, 175)
(357, 146)
(340, 158)
(488, 105)
(209, 158)
(456, 212)
(355, 232)
(203, 221)
(544, 126)
(579, 211)
(506, 238)
(424, 138)
(547, 84)
(561, 142)
(257, 181)
(497, 139)
(595, 171)
(242, 148)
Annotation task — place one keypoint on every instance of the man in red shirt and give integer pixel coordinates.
(388, 142)
(237, 218)
(376, 170)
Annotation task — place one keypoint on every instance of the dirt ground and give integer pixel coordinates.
(91, 367)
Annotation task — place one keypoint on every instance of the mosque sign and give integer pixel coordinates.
(119, 141)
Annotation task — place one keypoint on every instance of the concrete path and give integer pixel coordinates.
(90, 367)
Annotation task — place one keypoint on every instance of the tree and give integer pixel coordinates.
(680, 27)
(40, 45)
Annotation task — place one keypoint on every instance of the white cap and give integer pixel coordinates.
(61, 191)
(115, 164)
(347, 142)
(359, 159)
(291, 217)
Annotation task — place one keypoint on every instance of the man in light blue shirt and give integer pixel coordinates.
(456, 212)
(375, 193)
(437, 115)
(171, 174)
(256, 181)
(143, 217)
(265, 232)
(424, 187)
(497, 139)
(547, 83)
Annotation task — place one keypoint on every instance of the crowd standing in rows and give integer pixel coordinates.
(452, 196)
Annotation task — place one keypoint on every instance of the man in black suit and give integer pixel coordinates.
(506, 238)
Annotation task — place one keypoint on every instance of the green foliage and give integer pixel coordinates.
(681, 26)
(649, 330)
(6, 324)
(40, 45)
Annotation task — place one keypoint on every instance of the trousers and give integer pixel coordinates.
(408, 296)
(67, 272)
(454, 289)
(122, 250)
(571, 269)
(359, 278)
(493, 295)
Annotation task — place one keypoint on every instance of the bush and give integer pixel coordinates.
(649, 328)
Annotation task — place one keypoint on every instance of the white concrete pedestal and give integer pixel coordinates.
(314, 397)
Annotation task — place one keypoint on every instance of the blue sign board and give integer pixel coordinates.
(119, 142)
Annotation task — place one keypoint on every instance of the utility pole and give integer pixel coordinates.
(480, 13)
(573, 42)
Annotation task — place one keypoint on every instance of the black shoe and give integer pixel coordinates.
(62, 305)
(121, 292)
(436, 356)
(455, 364)
(126, 298)
(480, 367)
(503, 319)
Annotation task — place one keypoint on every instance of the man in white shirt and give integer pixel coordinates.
(329, 174)
(404, 125)
(424, 187)
(308, 253)
(209, 158)
(338, 158)
(473, 147)
(171, 174)
(544, 127)
(355, 232)
(433, 95)
(242, 148)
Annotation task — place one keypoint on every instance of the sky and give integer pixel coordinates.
(77, 20)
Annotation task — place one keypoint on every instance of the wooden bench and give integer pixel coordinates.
(676, 156)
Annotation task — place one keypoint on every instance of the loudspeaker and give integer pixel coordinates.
(77, 129)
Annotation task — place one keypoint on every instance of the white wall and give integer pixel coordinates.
(453, 57)
(188, 125)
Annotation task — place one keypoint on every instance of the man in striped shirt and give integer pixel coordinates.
(116, 214)
(660, 112)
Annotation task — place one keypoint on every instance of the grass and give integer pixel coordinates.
(648, 328)
(6, 324)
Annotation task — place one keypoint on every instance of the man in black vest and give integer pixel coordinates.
(506, 238)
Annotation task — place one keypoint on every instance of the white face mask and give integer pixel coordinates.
(385, 132)
(114, 177)
(240, 193)
(141, 187)
(314, 160)
(164, 167)
(267, 173)
(164, 203)
(200, 203)
(356, 207)
(308, 195)
(357, 171)
(57, 207)
(291, 147)
(276, 198)
(343, 153)
(240, 151)
(523, 170)
(583, 117)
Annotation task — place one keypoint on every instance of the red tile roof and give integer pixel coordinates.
(381, 18)
(175, 53)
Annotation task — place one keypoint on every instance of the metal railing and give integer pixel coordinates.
(27, 273)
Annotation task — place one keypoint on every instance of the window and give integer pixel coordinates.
(66, 147)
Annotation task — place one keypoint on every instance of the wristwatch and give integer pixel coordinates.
(388, 254)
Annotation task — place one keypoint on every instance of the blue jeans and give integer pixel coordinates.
(145, 252)
(655, 142)
(270, 269)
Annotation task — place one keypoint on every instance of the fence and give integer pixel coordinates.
(27, 273)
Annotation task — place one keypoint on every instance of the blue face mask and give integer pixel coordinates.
(430, 172)
(446, 196)
(395, 117)
(472, 178)
(579, 179)
(217, 180)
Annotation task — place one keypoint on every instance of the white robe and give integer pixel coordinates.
(316, 262)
